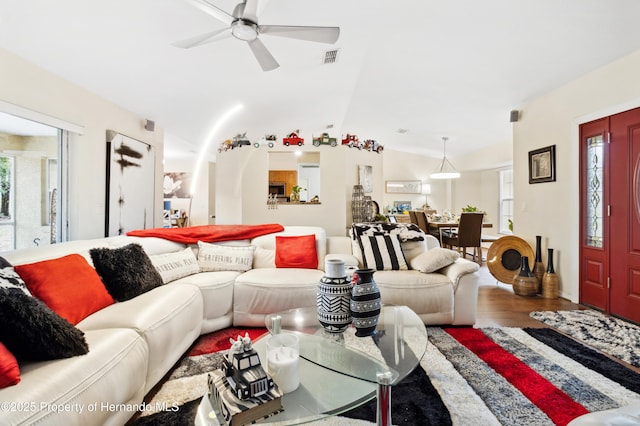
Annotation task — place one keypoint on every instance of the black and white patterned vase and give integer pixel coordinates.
(333, 297)
(365, 303)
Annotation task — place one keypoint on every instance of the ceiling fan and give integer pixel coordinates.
(243, 25)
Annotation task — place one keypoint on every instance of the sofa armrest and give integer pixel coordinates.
(458, 269)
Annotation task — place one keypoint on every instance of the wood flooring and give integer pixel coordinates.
(499, 306)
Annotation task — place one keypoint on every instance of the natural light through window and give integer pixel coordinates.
(506, 202)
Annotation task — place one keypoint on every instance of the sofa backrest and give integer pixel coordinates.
(265, 254)
(151, 246)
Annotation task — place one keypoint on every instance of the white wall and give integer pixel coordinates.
(31, 87)
(199, 205)
(242, 183)
(551, 209)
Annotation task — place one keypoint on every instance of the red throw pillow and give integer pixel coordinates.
(296, 252)
(9, 370)
(68, 285)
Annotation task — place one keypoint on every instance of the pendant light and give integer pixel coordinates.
(446, 170)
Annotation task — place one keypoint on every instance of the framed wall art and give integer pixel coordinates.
(365, 175)
(404, 186)
(542, 165)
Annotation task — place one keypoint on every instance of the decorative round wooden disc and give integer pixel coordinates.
(504, 257)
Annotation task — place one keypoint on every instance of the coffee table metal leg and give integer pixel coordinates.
(383, 416)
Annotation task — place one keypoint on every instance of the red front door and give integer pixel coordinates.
(610, 214)
(625, 215)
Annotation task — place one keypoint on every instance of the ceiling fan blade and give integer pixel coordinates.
(212, 10)
(203, 38)
(265, 59)
(250, 10)
(319, 34)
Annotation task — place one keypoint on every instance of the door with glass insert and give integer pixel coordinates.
(594, 247)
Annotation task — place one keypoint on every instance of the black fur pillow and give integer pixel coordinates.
(126, 271)
(32, 331)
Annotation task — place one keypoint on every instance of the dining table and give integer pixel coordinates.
(438, 226)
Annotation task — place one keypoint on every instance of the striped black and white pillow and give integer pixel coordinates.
(382, 252)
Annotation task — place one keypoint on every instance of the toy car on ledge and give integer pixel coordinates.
(240, 139)
(293, 139)
(324, 139)
(266, 140)
(352, 141)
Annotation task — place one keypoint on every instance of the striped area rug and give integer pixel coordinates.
(511, 376)
(489, 376)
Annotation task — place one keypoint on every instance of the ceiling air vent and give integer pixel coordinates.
(330, 56)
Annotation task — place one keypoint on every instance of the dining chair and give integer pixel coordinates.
(468, 234)
(413, 217)
(423, 223)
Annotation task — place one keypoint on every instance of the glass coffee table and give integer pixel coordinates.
(339, 371)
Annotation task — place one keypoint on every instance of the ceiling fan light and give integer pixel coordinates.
(244, 30)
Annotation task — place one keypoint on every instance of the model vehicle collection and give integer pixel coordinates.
(293, 138)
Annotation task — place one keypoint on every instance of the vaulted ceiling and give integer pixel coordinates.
(432, 68)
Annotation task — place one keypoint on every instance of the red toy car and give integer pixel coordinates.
(293, 139)
(352, 141)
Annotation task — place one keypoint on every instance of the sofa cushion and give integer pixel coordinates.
(218, 257)
(382, 252)
(126, 271)
(434, 259)
(111, 375)
(68, 285)
(265, 290)
(30, 330)
(296, 252)
(9, 370)
(175, 265)
(168, 318)
(9, 278)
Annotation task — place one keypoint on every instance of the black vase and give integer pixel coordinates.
(365, 303)
(538, 267)
(550, 281)
(525, 283)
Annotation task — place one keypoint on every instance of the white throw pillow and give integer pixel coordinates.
(216, 257)
(172, 266)
(434, 259)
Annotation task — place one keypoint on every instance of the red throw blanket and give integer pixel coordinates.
(208, 233)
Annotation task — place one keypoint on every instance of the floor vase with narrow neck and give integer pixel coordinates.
(365, 303)
(334, 297)
(525, 283)
(550, 282)
(538, 267)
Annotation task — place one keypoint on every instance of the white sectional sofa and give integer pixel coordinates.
(133, 344)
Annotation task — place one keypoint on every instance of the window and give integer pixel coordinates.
(7, 215)
(506, 202)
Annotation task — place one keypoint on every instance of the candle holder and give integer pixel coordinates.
(283, 359)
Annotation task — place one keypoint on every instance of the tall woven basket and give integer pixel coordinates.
(358, 204)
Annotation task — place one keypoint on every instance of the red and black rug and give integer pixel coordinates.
(492, 376)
